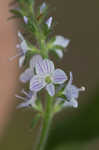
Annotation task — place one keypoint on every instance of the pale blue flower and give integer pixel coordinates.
(63, 42)
(42, 7)
(71, 103)
(46, 76)
(22, 50)
(72, 93)
(49, 22)
(25, 19)
(29, 72)
(29, 99)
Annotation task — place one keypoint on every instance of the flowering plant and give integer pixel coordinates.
(33, 50)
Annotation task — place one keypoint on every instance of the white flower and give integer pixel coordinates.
(22, 50)
(42, 8)
(25, 19)
(47, 76)
(29, 99)
(72, 93)
(49, 22)
(61, 41)
(29, 72)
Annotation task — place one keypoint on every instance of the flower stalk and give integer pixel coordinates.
(47, 119)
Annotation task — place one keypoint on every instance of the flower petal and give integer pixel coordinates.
(70, 80)
(24, 47)
(36, 83)
(26, 75)
(49, 22)
(35, 60)
(42, 7)
(22, 105)
(71, 91)
(39, 68)
(59, 76)
(45, 67)
(59, 53)
(48, 66)
(71, 103)
(51, 89)
(25, 19)
(21, 61)
(60, 40)
(20, 36)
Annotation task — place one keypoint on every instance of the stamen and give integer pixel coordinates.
(13, 57)
(20, 97)
(82, 88)
(24, 92)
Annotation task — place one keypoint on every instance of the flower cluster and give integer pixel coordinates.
(41, 73)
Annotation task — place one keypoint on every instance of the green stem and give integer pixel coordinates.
(46, 125)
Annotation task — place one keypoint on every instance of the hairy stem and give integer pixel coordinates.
(46, 125)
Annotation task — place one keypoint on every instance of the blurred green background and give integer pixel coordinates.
(72, 129)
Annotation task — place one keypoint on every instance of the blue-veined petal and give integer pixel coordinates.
(26, 75)
(59, 76)
(35, 60)
(45, 67)
(37, 83)
(48, 66)
(39, 68)
(51, 89)
(21, 61)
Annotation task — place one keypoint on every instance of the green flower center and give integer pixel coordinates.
(48, 79)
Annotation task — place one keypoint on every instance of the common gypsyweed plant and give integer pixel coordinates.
(40, 73)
